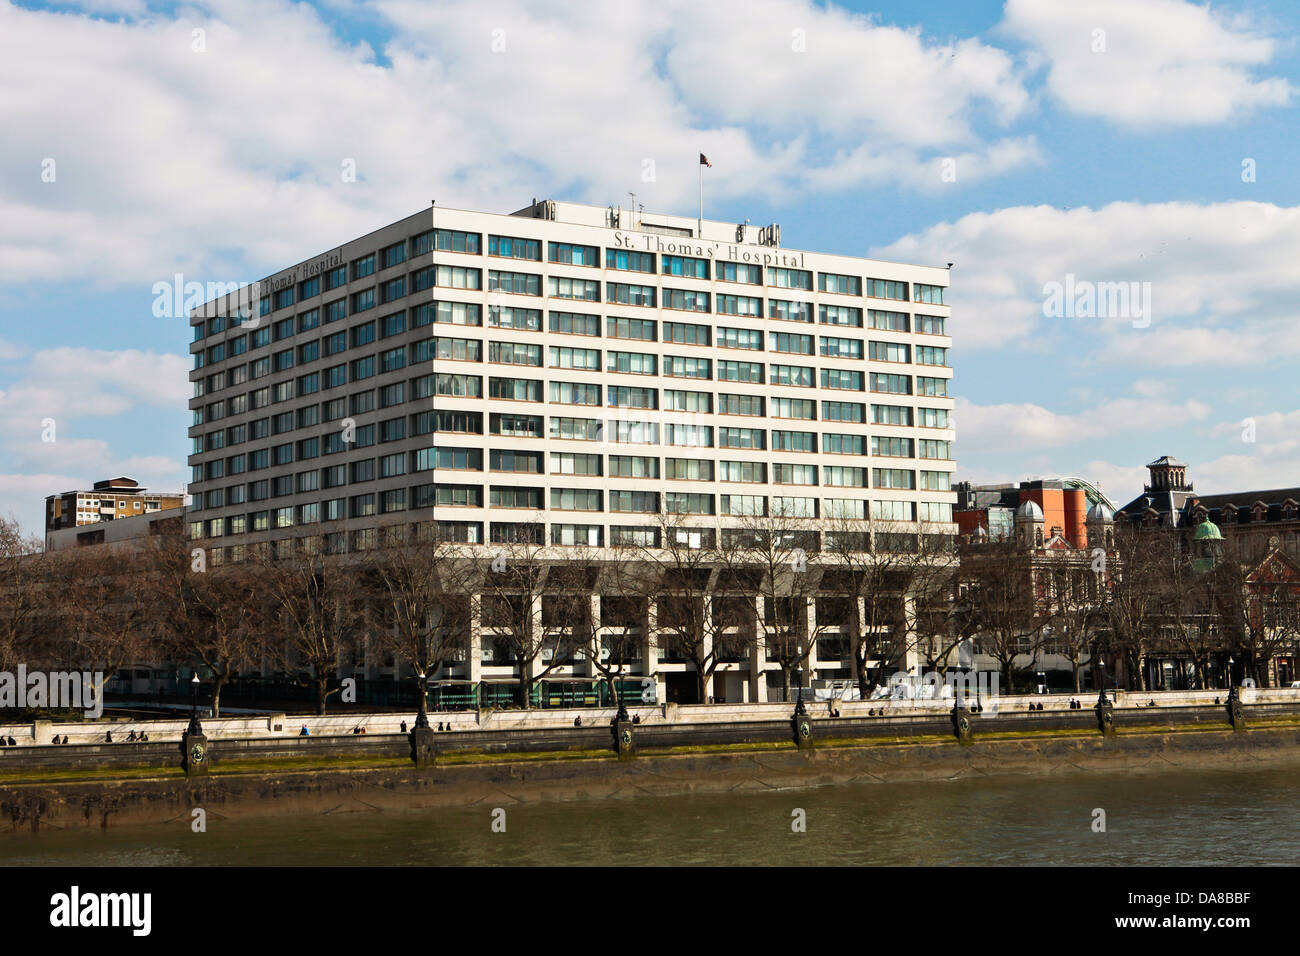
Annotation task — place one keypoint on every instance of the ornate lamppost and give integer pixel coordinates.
(422, 713)
(800, 722)
(1105, 716)
(424, 746)
(195, 727)
(194, 744)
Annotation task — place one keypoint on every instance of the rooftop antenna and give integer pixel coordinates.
(633, 208)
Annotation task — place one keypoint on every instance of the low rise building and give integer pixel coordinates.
(109, 500)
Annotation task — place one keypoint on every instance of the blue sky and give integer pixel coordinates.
(1101, 140)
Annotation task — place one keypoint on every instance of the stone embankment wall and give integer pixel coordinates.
(245, 739)
(283, 726)
(168, 798)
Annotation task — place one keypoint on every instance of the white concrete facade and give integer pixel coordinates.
(840, 410)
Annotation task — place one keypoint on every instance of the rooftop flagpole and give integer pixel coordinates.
(704, 161)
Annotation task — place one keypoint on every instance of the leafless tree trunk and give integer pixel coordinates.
(318, 604)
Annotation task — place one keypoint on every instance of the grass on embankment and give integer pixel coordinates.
(318, 764)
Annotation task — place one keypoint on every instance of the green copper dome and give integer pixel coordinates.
(1207, 531)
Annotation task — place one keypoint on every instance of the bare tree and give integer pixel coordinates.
(514, 579)
(422, 598)
(612, 639)
(1254, 600)
(1002, 592)
(21, 572)
(1077, 607)
(1133, 575)
(774, 557)
(685, 567)
(1282, 609)
(882, 568)
(318, 605)
(214, 616)
(1190, 609)
(108, 613)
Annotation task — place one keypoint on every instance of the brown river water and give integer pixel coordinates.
(1201, 818)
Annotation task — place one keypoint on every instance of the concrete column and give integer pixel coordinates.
(809, 629)
(535, 622)
(650, 649)
(595, 618)
(707, 643)
(912, 658)
(474, 652)
(757, 655)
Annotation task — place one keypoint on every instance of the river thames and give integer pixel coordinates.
(1234, 817)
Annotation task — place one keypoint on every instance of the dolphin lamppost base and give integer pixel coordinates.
(801, 725)
(194, 755)
(1236, 714)
(424, 743)
(961, 726)
(1105, 715)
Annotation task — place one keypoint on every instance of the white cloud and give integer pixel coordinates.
(1223, 286)
(164, 156)
(1272, 429)
(1017, 426)
(67, 382)
(69, 386)
(1260, 470)
(1162, 62)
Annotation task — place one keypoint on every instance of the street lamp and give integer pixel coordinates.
(1230, 661)
(196, 728)
(422, 715)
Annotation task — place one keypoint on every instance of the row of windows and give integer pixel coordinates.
(516, 461)
(530, 390)
(571, 323)
(560, 357)
(567, 357)
(534, 532)
(513, 461)
(567, 254)
(440, 495)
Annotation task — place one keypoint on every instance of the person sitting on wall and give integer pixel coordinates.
(131, 736)
(144, 735)
(304, 732)
(577, 721)
(108, 737)
(403, 726)
(636, 718)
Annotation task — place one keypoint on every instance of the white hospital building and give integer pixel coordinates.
(565, 374)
